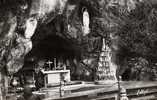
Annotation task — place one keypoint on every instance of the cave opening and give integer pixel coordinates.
(53, 47)
(56, 46)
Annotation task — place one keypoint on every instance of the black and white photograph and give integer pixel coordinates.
(78, 49)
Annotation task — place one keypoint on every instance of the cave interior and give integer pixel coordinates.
(49, 43)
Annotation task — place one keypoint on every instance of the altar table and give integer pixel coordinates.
(56, 76)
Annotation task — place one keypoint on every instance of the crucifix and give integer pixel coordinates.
(49, 63)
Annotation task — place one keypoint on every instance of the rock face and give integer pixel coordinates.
(16, 33)
(60, 23)
(105, 17)
(64, 19)
(15, 45)
(7, 40)
(22, 45)
(17, 26)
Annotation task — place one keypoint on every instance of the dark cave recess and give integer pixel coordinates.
(54, 46)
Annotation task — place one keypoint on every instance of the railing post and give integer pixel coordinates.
(122, 95)
(61, 90)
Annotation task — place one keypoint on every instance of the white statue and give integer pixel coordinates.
(86, 22)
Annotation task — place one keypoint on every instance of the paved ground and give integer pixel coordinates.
(88, 88)
(91, 88)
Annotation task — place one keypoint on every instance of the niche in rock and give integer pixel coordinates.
(53, 46)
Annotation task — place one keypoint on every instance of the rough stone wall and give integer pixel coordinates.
(105, 17)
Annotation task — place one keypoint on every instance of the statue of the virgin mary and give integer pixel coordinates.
(86, 22)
